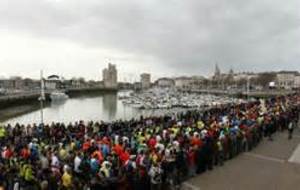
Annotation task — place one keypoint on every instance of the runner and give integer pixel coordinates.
(148, 153)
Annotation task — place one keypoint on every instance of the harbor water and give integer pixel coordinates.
(104, 107)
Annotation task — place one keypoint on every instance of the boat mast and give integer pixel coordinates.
(42, 98)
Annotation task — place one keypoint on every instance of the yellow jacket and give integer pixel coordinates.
(67, 180)
(2, 132)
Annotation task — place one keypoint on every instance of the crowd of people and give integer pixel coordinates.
(146, 153)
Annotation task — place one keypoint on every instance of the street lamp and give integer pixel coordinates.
(248, 87)
(42, 97)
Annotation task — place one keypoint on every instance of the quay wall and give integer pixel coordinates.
(254, 94)
(18, 104)
(28, 98)
(20, 99)
(15, 105)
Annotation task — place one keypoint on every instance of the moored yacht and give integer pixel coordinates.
(58, 96)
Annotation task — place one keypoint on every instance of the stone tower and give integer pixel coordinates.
(110, 76)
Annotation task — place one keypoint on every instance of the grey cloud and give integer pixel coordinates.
(185, 36)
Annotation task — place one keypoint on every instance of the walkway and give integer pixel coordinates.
(273, 165)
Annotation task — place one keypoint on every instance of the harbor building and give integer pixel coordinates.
(110, 76)
(183, 83)
(17, 83)
(286, 79)
(165, 83)
(53, 82)
(146, 80)
(297, 82)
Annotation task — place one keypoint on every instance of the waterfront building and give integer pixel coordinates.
(286, 79)
(165, 83)
(110, 76)
(197, 82)
(53, 82)
(125, 85)
(31, 84)
(297, 82)
(189, 83)
(137, 86)
(6, 84)
(19, 84)
(183, 83)
(76, 83)
(145, 80)
(244, 76)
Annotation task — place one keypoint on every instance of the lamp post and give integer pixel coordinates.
(42, 98)
(248, 87)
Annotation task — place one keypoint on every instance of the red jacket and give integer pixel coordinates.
(124, 157)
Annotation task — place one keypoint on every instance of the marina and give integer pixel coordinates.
(151, 95)
(158, 98)
(116, 106)
(103, 107)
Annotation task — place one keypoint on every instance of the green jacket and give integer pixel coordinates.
(27, 173)
(2, 132)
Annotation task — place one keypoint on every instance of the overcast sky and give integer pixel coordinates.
(163, 37)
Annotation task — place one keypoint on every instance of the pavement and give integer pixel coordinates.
(272, 165)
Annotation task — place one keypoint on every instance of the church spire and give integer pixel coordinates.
(217, 71)
(231, 72)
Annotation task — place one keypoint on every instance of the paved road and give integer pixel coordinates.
(273, 165)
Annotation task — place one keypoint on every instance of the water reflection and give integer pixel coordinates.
(103, 107)
(57, 104)
(110, 105)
